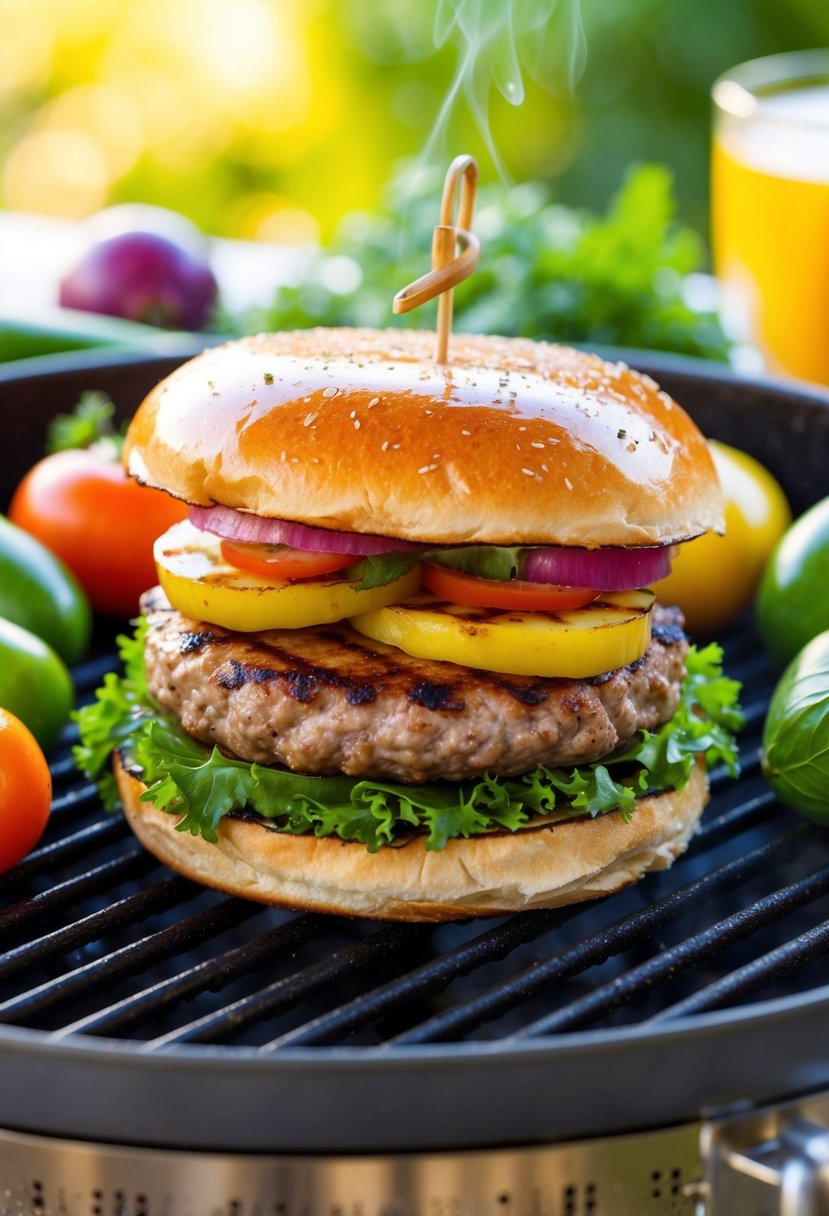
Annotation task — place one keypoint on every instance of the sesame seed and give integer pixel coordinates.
(537, 444)
(427, 468)
(356, 424)
(529, 472)
(568, 483)
(309, 418)
(331, 391)
(283, 456)
(384, 446)
(466, 432)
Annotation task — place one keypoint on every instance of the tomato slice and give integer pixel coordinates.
(458, 588)
(283, 562)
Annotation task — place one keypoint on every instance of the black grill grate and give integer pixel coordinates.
(98, 939)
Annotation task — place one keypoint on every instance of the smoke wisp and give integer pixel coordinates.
(498, 42)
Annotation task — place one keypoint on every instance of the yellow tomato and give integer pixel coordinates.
(199, 583)
(714, 577)
(610, 632)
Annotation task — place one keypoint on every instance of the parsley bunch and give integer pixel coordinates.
(547, 270)
(201, 786)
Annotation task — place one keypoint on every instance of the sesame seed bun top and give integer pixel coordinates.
(511, 442)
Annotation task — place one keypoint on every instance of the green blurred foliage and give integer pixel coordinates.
(364, 87)
(643, 94)
(547, 271)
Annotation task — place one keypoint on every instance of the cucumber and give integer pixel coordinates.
(51, 330)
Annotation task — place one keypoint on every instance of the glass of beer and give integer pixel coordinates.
(770, 209)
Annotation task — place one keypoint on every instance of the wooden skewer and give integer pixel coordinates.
(448, 266)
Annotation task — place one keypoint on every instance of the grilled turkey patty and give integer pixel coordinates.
(327, 700)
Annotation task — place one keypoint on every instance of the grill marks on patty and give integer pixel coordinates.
(302, 679)
(327, 700)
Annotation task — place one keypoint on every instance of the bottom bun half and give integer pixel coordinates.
(542, 867)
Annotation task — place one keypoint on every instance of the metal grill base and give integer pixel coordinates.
(742, 1162)
(650, 1174)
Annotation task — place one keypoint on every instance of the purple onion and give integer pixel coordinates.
(255, 529)
(604, 569)
(142, 276)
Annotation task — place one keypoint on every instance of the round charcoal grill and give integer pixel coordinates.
(168, 1051)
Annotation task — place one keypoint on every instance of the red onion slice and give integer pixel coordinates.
(255, 529)
(604, 569)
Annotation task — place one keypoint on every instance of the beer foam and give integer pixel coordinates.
(787, 135)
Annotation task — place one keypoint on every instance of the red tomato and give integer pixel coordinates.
(100, 522)
(281, 561)
(460, 588)
(25, 791)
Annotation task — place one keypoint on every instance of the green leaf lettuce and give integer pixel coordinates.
(201, 786)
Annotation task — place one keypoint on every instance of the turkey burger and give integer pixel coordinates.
(402, 661)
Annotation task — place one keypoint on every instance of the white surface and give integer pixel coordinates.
(35, 250)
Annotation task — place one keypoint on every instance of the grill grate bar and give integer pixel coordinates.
(774, 965)
(126, 911)
(619, 936)
(753, 663)
(214, 973)
(50, 857)
(129, 960)
(751, 813)
(741, 647)
(286, 993)
(77, 798)
(680, 958)
(68, 894)
(430, 978)
(89, 674)
(754, 712)
(62, 769)
(437, 974)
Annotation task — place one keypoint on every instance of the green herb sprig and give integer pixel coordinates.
(89, 425)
